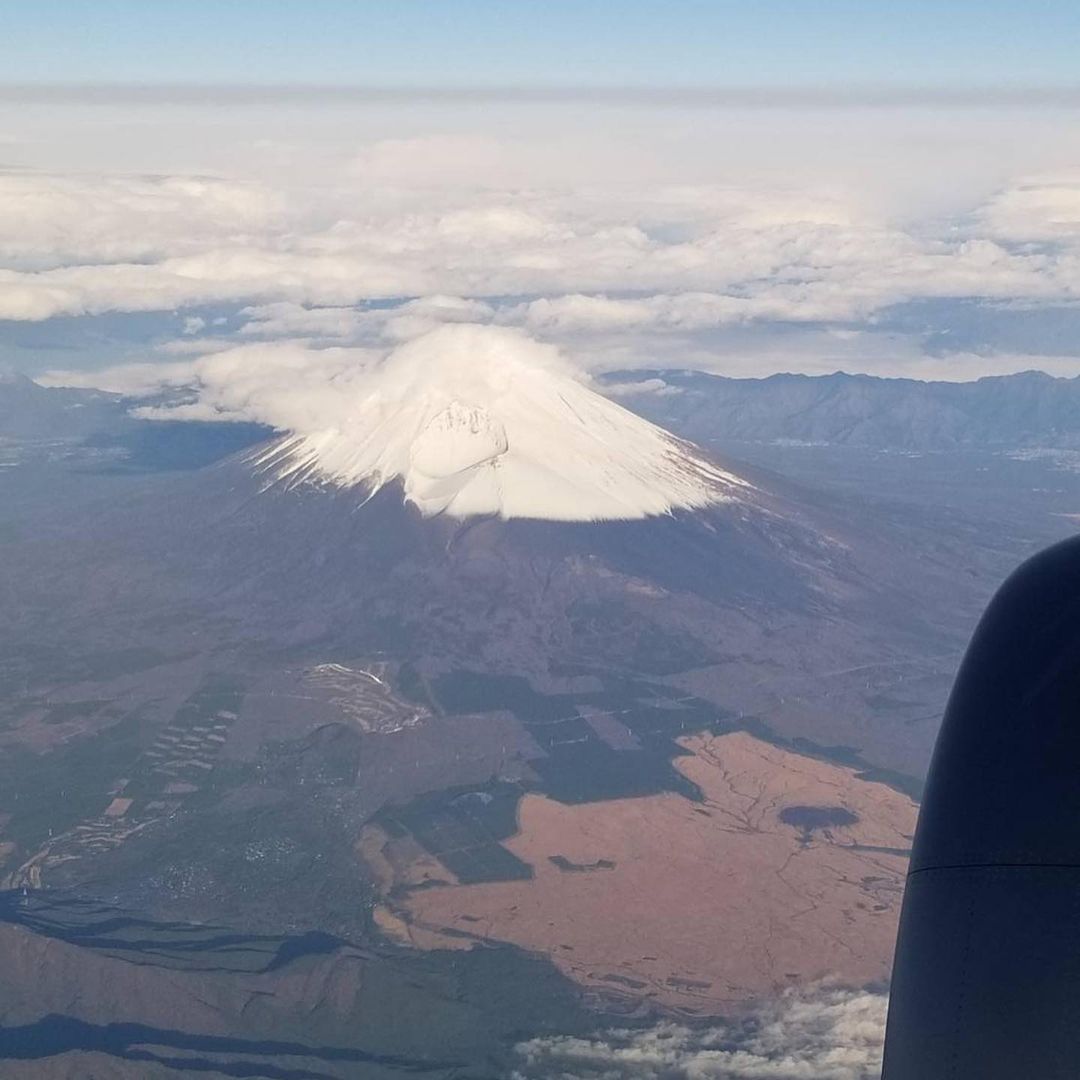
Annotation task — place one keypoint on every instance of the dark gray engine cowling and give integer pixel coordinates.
(986, 984)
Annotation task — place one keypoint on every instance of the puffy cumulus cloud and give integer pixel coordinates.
(1037, 210)
(284, 384)
(296, 386)
(50, 220)
(285, 319)
(389, 322)
(827, 1034)
(358, 262)
(686, 311)
(416, 317)
(132, 380)
(213, 276)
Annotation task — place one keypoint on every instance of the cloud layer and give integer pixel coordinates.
(713, 235)
(666, 259)
(827, 1034)
(676, 259)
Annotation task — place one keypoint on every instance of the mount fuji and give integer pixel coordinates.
(475, 421)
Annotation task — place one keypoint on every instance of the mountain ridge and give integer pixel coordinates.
(1026, 410)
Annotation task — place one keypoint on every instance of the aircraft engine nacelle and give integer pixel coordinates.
(986, 984)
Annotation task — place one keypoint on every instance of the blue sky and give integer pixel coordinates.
(769, 43)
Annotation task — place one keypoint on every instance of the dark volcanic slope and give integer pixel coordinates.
(752, 604)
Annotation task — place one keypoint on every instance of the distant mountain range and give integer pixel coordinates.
(30, 411)
(1027, 410)
(35, 418)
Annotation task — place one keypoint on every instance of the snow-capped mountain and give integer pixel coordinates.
(474, 421)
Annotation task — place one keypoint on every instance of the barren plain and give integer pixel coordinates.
(631, 897)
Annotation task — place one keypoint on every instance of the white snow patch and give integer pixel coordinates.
(481, 420)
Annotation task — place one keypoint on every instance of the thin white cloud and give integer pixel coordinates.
(285, 319)
(132, 380)
(1037, 209)
(50, 220)
(424, 314)
(654, 387)
(387, 323)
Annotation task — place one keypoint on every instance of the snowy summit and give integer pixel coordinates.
(475, 420)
